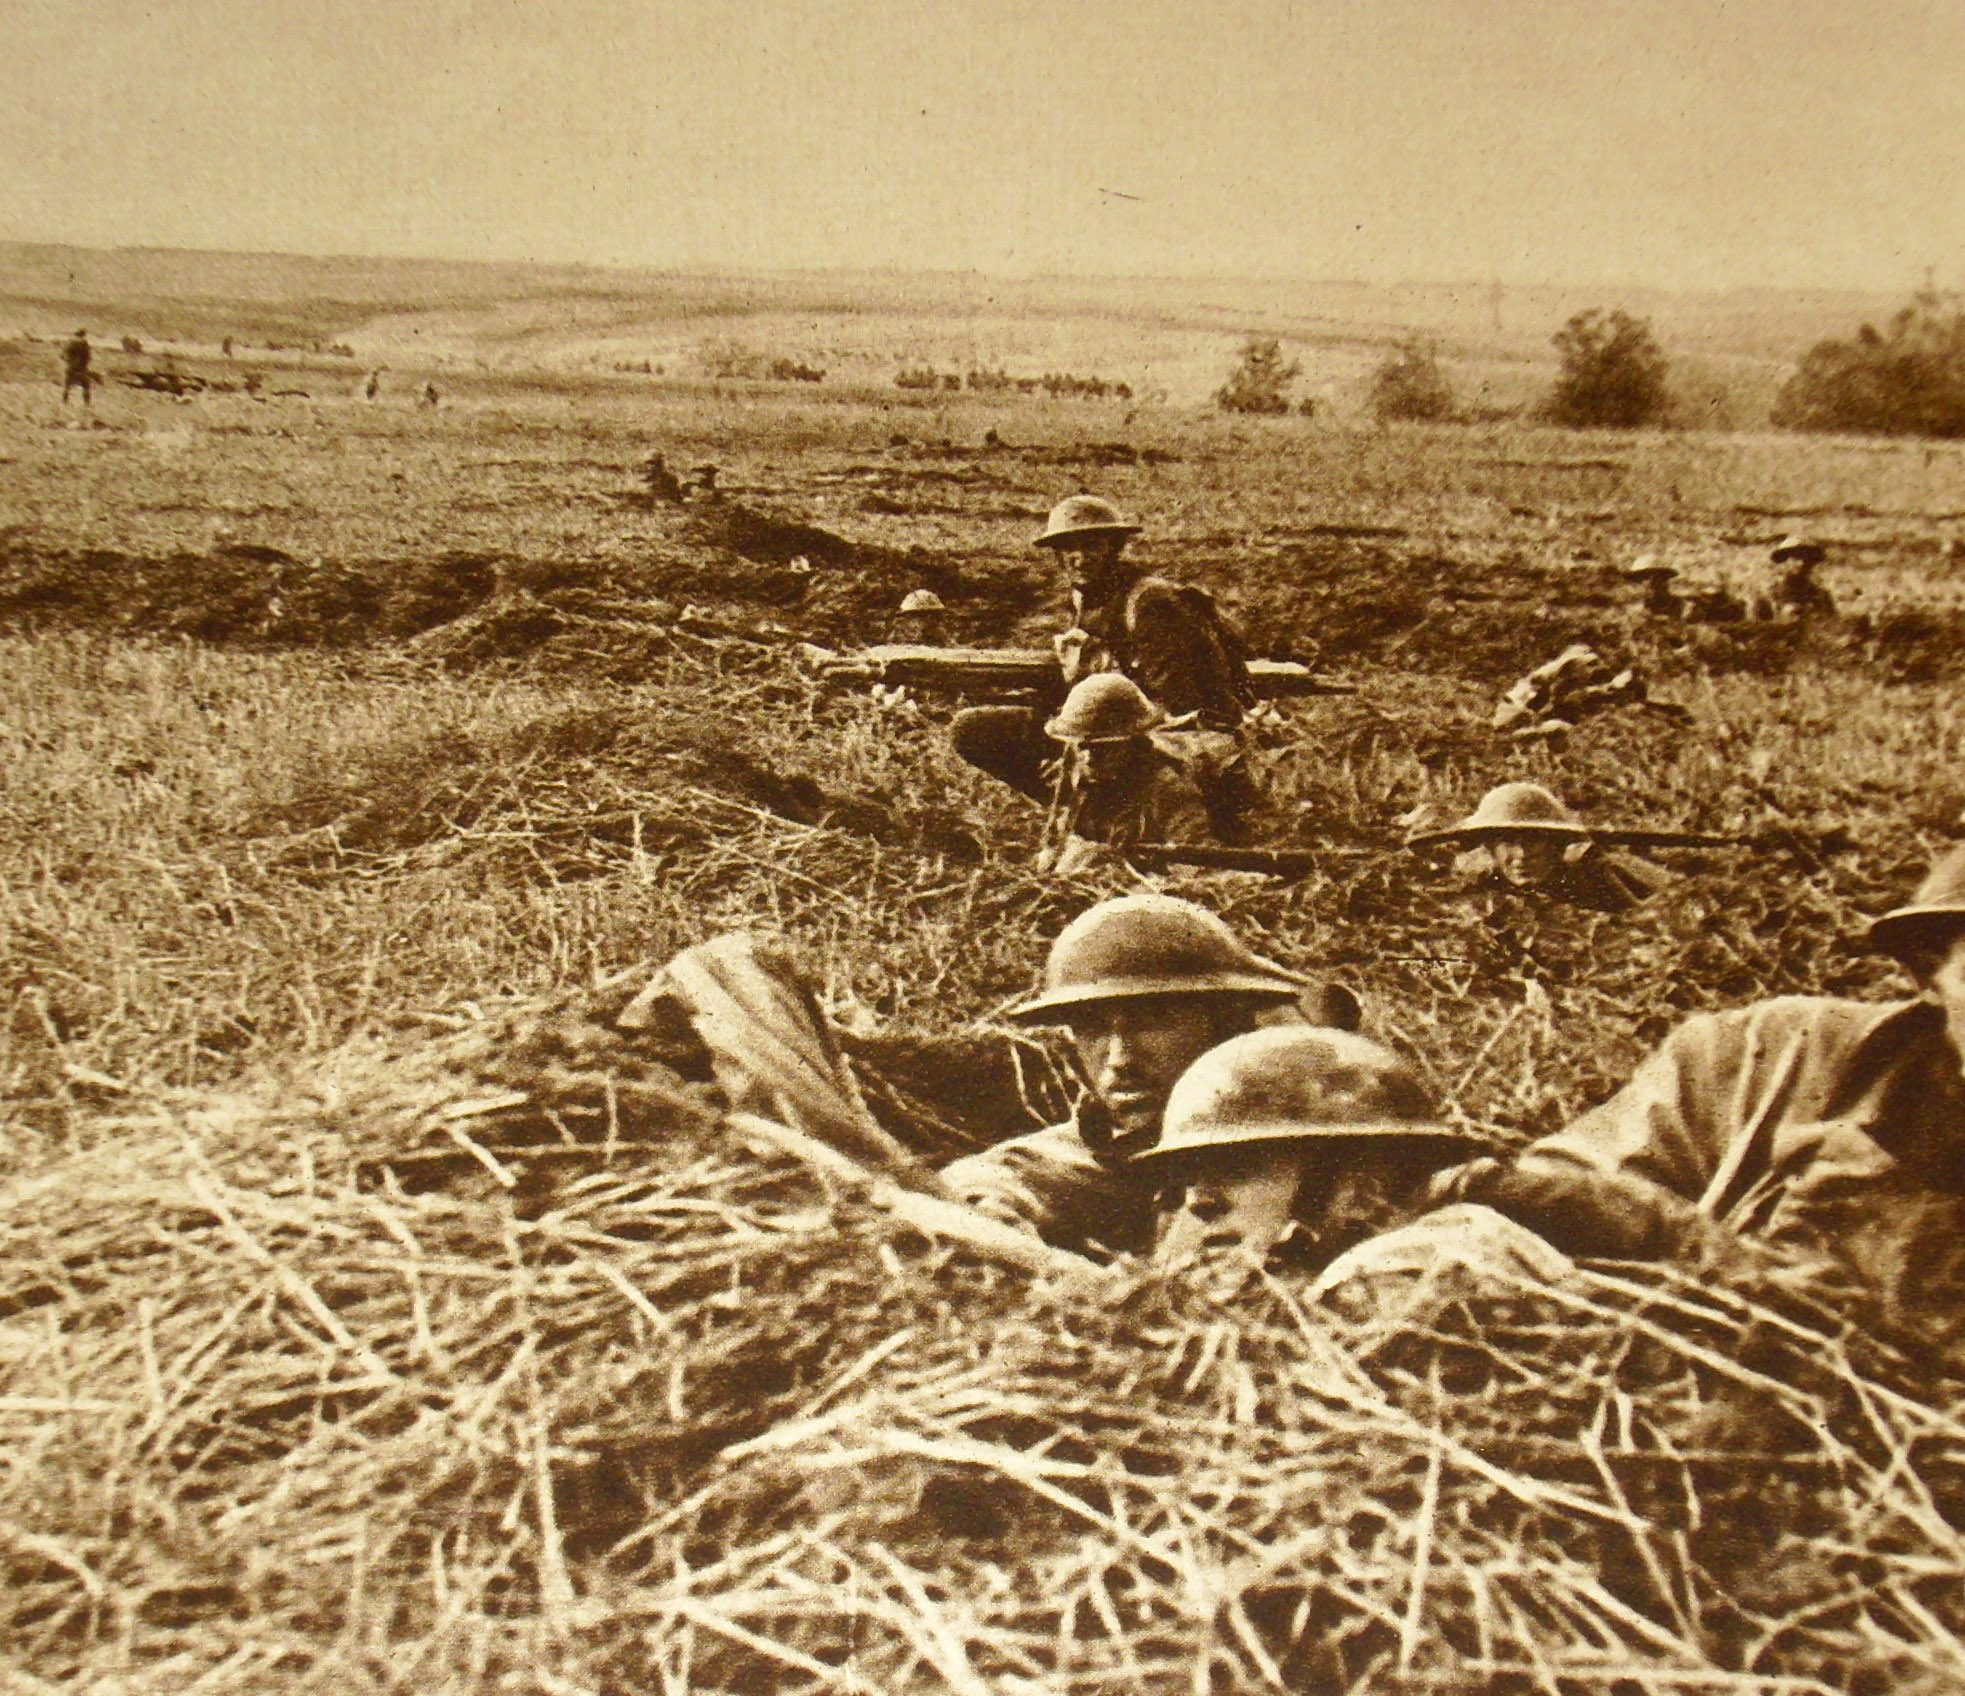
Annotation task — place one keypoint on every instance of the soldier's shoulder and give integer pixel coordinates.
(1159, 595)
(1822, 1018)
(1061, 1143)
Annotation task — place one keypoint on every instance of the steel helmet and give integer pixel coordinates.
(1936, 911)
(1512, 809)
(1079, 516)
(1649, 566)
(1149, 945)
(1798, 548)
(922, 600)
(1106, 707)
(1293, 1083)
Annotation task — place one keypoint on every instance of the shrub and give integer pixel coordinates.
(1260, 383)
(1908, 380)
(1409, 384)
(1613, 374)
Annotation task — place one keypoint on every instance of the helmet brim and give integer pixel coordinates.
(1055, 1006)
(1174, 1153)
(1899, 931)
(1065, 538)
(1165, 722)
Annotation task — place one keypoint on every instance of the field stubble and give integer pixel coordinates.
(240, 834)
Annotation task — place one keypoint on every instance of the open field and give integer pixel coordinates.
(359, 757)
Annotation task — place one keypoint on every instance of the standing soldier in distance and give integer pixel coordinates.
(75, 371)
(1145, 984)
(1169, 638)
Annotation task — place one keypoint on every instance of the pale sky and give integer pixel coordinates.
(1686, 143)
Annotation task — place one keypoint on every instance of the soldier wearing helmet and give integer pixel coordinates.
(1522, 839)
(922, 617)
(1293, 1141)
(1145, 985)
(1830, 1129)
(1122, 778)
(1795, 592)
(1170, 639)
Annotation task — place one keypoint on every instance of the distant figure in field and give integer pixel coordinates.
(922, 619)
(75, 373)
(663, 484)
(431, 398)
(1796, 594)
(705, 484)
(373, 387)
(1656, 579)
(1573, 686)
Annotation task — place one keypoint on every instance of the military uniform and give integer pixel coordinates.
(1075, 1193)
(1168, 638)
(1072, 1184)
(1830, 1128)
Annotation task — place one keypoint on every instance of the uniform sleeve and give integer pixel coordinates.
(1627, 1179)
(1049, 1184)
(1674, 1122)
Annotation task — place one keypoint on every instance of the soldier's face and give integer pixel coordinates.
(1093, 559)
(1242, 1200)
(1526, 861)
(1103, 763)
(1133, 1052)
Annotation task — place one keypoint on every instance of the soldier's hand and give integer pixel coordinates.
(1070, 646)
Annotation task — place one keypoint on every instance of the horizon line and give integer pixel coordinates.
(715, 270)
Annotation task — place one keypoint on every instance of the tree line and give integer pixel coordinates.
(1906, 379)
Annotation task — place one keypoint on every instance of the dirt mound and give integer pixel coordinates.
(570, 792)
(245, 595)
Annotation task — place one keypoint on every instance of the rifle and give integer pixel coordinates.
(1017, 671)
(1220, 857)
(1300, 862)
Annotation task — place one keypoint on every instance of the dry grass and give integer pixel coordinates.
(626, 1403)
(667, 1412)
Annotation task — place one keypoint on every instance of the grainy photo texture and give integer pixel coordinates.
(1071, 850)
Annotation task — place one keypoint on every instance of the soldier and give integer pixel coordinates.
(1294, 1143)
(1122, 778)
(1169, 638)
(922, 618)
(1828, 1128)
(1523, 838)
(1661, 599)
(1579, 681)
(1145, 984)
(1796, 594)
(663, 484)
(75, 372)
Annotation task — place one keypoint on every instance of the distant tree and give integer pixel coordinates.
(1906, 380)
(1409, 385)
(1261, 382)
(1613, 374)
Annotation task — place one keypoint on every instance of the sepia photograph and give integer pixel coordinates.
(1102, 848)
